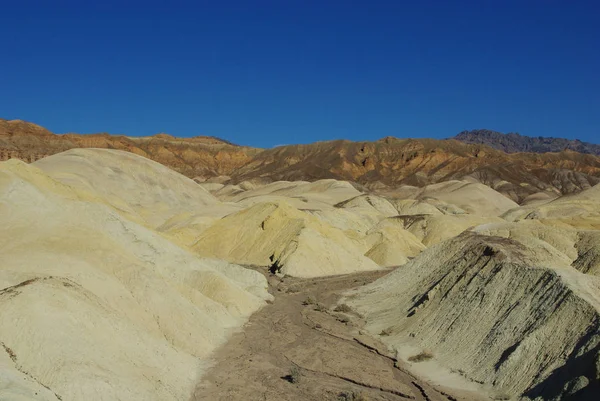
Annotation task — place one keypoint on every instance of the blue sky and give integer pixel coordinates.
(295, 71)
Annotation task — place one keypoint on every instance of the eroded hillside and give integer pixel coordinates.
(381, 165)
(198, 156)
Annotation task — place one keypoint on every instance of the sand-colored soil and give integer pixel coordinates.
(332, 355)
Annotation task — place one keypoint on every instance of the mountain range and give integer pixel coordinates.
(381, 165)
(514, 142)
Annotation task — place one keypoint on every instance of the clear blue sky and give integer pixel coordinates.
(264, 73)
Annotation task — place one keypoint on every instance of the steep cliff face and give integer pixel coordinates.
(381, 165)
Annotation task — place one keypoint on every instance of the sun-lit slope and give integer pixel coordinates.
(473, 198)
(555, 245)
(432, 229)
(552, 245)
(97, 307)
(435, 219)
(318, 195)
(410, 207)
(581, 210)
(133, 185)
(355, 223)
(185, 228)
(374, 222)
(370, 203)
(392, 245)
(493, 310)
(279, 235)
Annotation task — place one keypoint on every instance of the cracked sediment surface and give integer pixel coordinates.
(300, 331)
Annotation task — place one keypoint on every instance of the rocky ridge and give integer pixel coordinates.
(380, 165)
(514, 142)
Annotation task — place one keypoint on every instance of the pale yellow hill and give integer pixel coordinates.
(432, 229)
(97, 307)
(135, 186)
(581, 210)
(410, 207)
(473, 198)
(555, 245)
(391, 244)
(371, 203)
(491, 310)
(279, 235)
(318, 195)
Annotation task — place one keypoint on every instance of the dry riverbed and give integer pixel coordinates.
(300, 348)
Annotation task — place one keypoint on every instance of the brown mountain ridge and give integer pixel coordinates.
(197, 156)
(381, 165)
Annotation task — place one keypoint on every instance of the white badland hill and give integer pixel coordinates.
(318, 195)
(312, 236)
(391, 244)
(581, 210)
(278, 227)
(95, 306)
(139, 189)
(184, 212)
(279, 235)
(473, 198)
(502, 306)
(135, 186)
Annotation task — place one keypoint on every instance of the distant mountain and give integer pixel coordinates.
(514, 142)
(392, 162)
(379, 165)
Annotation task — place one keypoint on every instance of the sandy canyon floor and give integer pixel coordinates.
(302, 347)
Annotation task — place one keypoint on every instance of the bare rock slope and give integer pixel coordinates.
(391, 162)
(494, 310)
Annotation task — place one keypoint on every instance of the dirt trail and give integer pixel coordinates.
(299, 336)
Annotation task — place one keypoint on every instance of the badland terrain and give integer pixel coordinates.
(164, 268)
